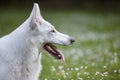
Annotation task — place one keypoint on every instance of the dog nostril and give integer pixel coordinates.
(72, 40)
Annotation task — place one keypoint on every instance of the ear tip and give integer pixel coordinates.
(36, 5)
(35, 10)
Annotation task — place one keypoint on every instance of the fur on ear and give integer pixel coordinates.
(35, 16)
(35, 12)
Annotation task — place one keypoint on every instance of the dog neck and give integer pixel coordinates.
(20, 39)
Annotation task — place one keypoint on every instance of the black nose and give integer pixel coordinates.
(72, 40)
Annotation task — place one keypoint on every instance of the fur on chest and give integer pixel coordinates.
(28, 69)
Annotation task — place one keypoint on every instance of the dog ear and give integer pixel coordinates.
(35, 16)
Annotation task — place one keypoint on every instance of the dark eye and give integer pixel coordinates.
(53, 31)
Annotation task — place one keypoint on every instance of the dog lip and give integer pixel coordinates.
(56, 53)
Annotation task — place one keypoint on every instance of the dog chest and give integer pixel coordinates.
(26, 69)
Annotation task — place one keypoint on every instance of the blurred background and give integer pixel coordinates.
(95, 25)
(98, 5)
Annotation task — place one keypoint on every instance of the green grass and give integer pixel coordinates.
(94, 56)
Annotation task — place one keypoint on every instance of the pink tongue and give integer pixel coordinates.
(62, 56)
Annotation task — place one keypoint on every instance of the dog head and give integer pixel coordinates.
(44, 35)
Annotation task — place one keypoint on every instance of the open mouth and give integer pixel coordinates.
(56, 53)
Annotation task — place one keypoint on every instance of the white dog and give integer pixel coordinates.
(20, 51)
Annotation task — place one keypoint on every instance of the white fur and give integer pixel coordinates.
(20, 50)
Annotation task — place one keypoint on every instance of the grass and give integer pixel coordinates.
(94, 56)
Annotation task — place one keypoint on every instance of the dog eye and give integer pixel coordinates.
(53, 31)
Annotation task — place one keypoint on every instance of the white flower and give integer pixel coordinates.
(104, 66)
(76, 69)
(85, 67)
(81, 67)
(53, 68)
(59, 79)
(79, 78)
(60, 67)
(105, 73)
(96, 73)
(45, 79)
(115, 71)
